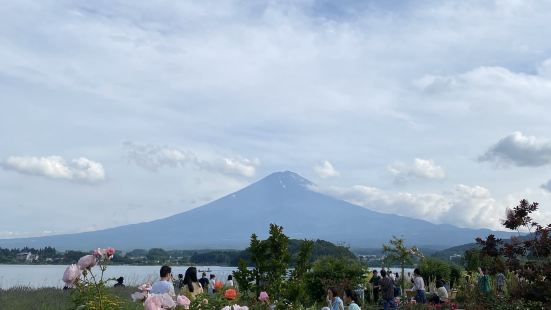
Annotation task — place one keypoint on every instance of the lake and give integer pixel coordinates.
(50, 275)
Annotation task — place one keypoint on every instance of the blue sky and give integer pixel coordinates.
(117, 112)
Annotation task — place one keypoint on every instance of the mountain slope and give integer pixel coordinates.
(284, 198)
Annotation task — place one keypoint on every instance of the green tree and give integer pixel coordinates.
(396, 251)
(432, 268)
(296, 290)
(243, 276)
(270, 259)
(157, 255)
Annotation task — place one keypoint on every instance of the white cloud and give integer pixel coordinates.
(464, 206)
(153, 157)
(326, 170)
(420, 169)
(520, 150)
(56, 167)
(242, 166)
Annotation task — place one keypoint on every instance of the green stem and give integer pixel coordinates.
(97, 288)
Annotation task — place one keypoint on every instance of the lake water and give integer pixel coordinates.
(50, 275)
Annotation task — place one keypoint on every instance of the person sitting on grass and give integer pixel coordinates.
(351, 298)
(120, 282)
(164, 285)
(441, 295)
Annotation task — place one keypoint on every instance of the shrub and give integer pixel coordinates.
(431, 268)
(340, 273)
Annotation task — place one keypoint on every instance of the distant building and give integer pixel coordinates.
(26, 257)
(455, 257)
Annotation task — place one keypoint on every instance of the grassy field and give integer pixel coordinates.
(25, 298)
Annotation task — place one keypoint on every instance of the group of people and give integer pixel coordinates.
(334, 302)
(385, 285)
(188, 284)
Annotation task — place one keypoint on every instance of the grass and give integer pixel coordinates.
(26, 298)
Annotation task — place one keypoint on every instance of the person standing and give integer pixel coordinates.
(164, 284)
(334, 302)
(500, 282)
(483, 281)
(374, 281)
(212, 282)
(204, 281)
(387, 291)
(419, 287)
(192, 287)
(229, 282)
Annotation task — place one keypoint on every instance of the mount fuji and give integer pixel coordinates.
(283, 198)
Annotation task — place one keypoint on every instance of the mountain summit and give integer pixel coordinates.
(283, 198)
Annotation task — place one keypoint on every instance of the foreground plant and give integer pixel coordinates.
(89, 287)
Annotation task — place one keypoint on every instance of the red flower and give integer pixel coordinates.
(230, 294)
(110, 252)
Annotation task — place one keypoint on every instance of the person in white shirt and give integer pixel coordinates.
(164, 285)
(229, 283)
(441, 295)
(211, 284)
(419, 287)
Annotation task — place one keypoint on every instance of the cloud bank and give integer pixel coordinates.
(464, 206)
(56, 167)
(153, 157)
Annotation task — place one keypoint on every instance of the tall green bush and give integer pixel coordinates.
(431, 268)
(341, 273)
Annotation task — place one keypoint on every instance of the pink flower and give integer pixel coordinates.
(145, 287)
(98, 253)
(183, 301)
(138, 296)
(153, 302)
(167, 302)
(87, 262)
(109, 252)
(263, 297)
(71, 274)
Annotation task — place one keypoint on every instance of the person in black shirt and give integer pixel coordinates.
(204, 281)
(120, 282)
(374, 281)
(180, 280)
(387, 290)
